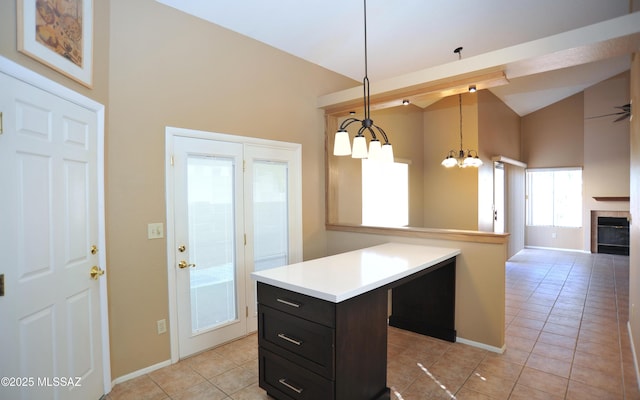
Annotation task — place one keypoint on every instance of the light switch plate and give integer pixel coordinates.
(162, 326)
(155, 230)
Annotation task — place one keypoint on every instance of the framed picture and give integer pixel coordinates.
(59, 34)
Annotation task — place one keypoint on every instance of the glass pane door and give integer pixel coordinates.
(273, 215)
(208, 246)
(212, 241)
(270, 215)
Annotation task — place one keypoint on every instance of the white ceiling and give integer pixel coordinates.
(413, 35)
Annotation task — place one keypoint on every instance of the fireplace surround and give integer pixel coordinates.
(610, 232)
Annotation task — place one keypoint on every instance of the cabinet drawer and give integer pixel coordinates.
(285, 380)
(307, 307)
(309, 344)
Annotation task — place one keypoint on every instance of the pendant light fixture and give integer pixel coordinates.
(461, 158)
(377, 151)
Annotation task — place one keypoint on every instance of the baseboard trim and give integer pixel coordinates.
(634, 354)
(558, 249)
(499, 350)
(140, 372)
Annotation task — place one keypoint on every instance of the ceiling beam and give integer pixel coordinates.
(579, 46)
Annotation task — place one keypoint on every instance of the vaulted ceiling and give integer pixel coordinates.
(545, 50)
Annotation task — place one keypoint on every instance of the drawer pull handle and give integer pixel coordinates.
(284, 382)
(288, 339)
(288, 303)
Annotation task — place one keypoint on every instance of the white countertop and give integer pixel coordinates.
(343, 276)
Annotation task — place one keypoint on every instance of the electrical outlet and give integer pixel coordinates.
(162, 326)
(155, 230)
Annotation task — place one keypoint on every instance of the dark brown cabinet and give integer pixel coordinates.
(314, 349)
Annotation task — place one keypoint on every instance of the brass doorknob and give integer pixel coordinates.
(184, 264)
(96, 272)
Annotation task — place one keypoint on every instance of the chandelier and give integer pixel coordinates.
(377, 151)
(461, 158)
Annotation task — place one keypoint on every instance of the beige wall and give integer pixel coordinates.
(451, 194)
(498, 127)
(480, 281)
(498, 134)
(606, 150)
(561, 135)
(488, 126)
(171, 69)
(554, 137)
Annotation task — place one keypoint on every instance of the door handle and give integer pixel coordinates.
(183, 264)
(96, 272)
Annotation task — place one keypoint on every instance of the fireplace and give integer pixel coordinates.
(613, 235)
(610, 232)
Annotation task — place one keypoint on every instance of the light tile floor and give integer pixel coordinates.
(566, 335)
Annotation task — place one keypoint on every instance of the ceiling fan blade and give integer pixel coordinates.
(625, 116)
(626, 107)
(607, 115)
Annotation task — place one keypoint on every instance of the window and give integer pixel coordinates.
(385, 193)
(554, 197)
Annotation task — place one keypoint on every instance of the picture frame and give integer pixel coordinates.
(59, 34)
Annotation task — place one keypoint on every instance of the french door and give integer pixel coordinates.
(233, 207)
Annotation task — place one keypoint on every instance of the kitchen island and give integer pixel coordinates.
(322, 324)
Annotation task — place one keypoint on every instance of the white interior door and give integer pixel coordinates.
(209, 241)
(498, 197)
(51, 332)
(233, 206)
(509, 201)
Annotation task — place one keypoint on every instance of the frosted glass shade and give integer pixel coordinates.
(341, 144)
(450, 162)
(387, 153)
(375, 150)
(359, 147)
(470, 161)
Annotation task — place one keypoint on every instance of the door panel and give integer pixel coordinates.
(233, 207)
(273, 215)
(51, 325)
(270, 217)
(208, 214)
(498, 197)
